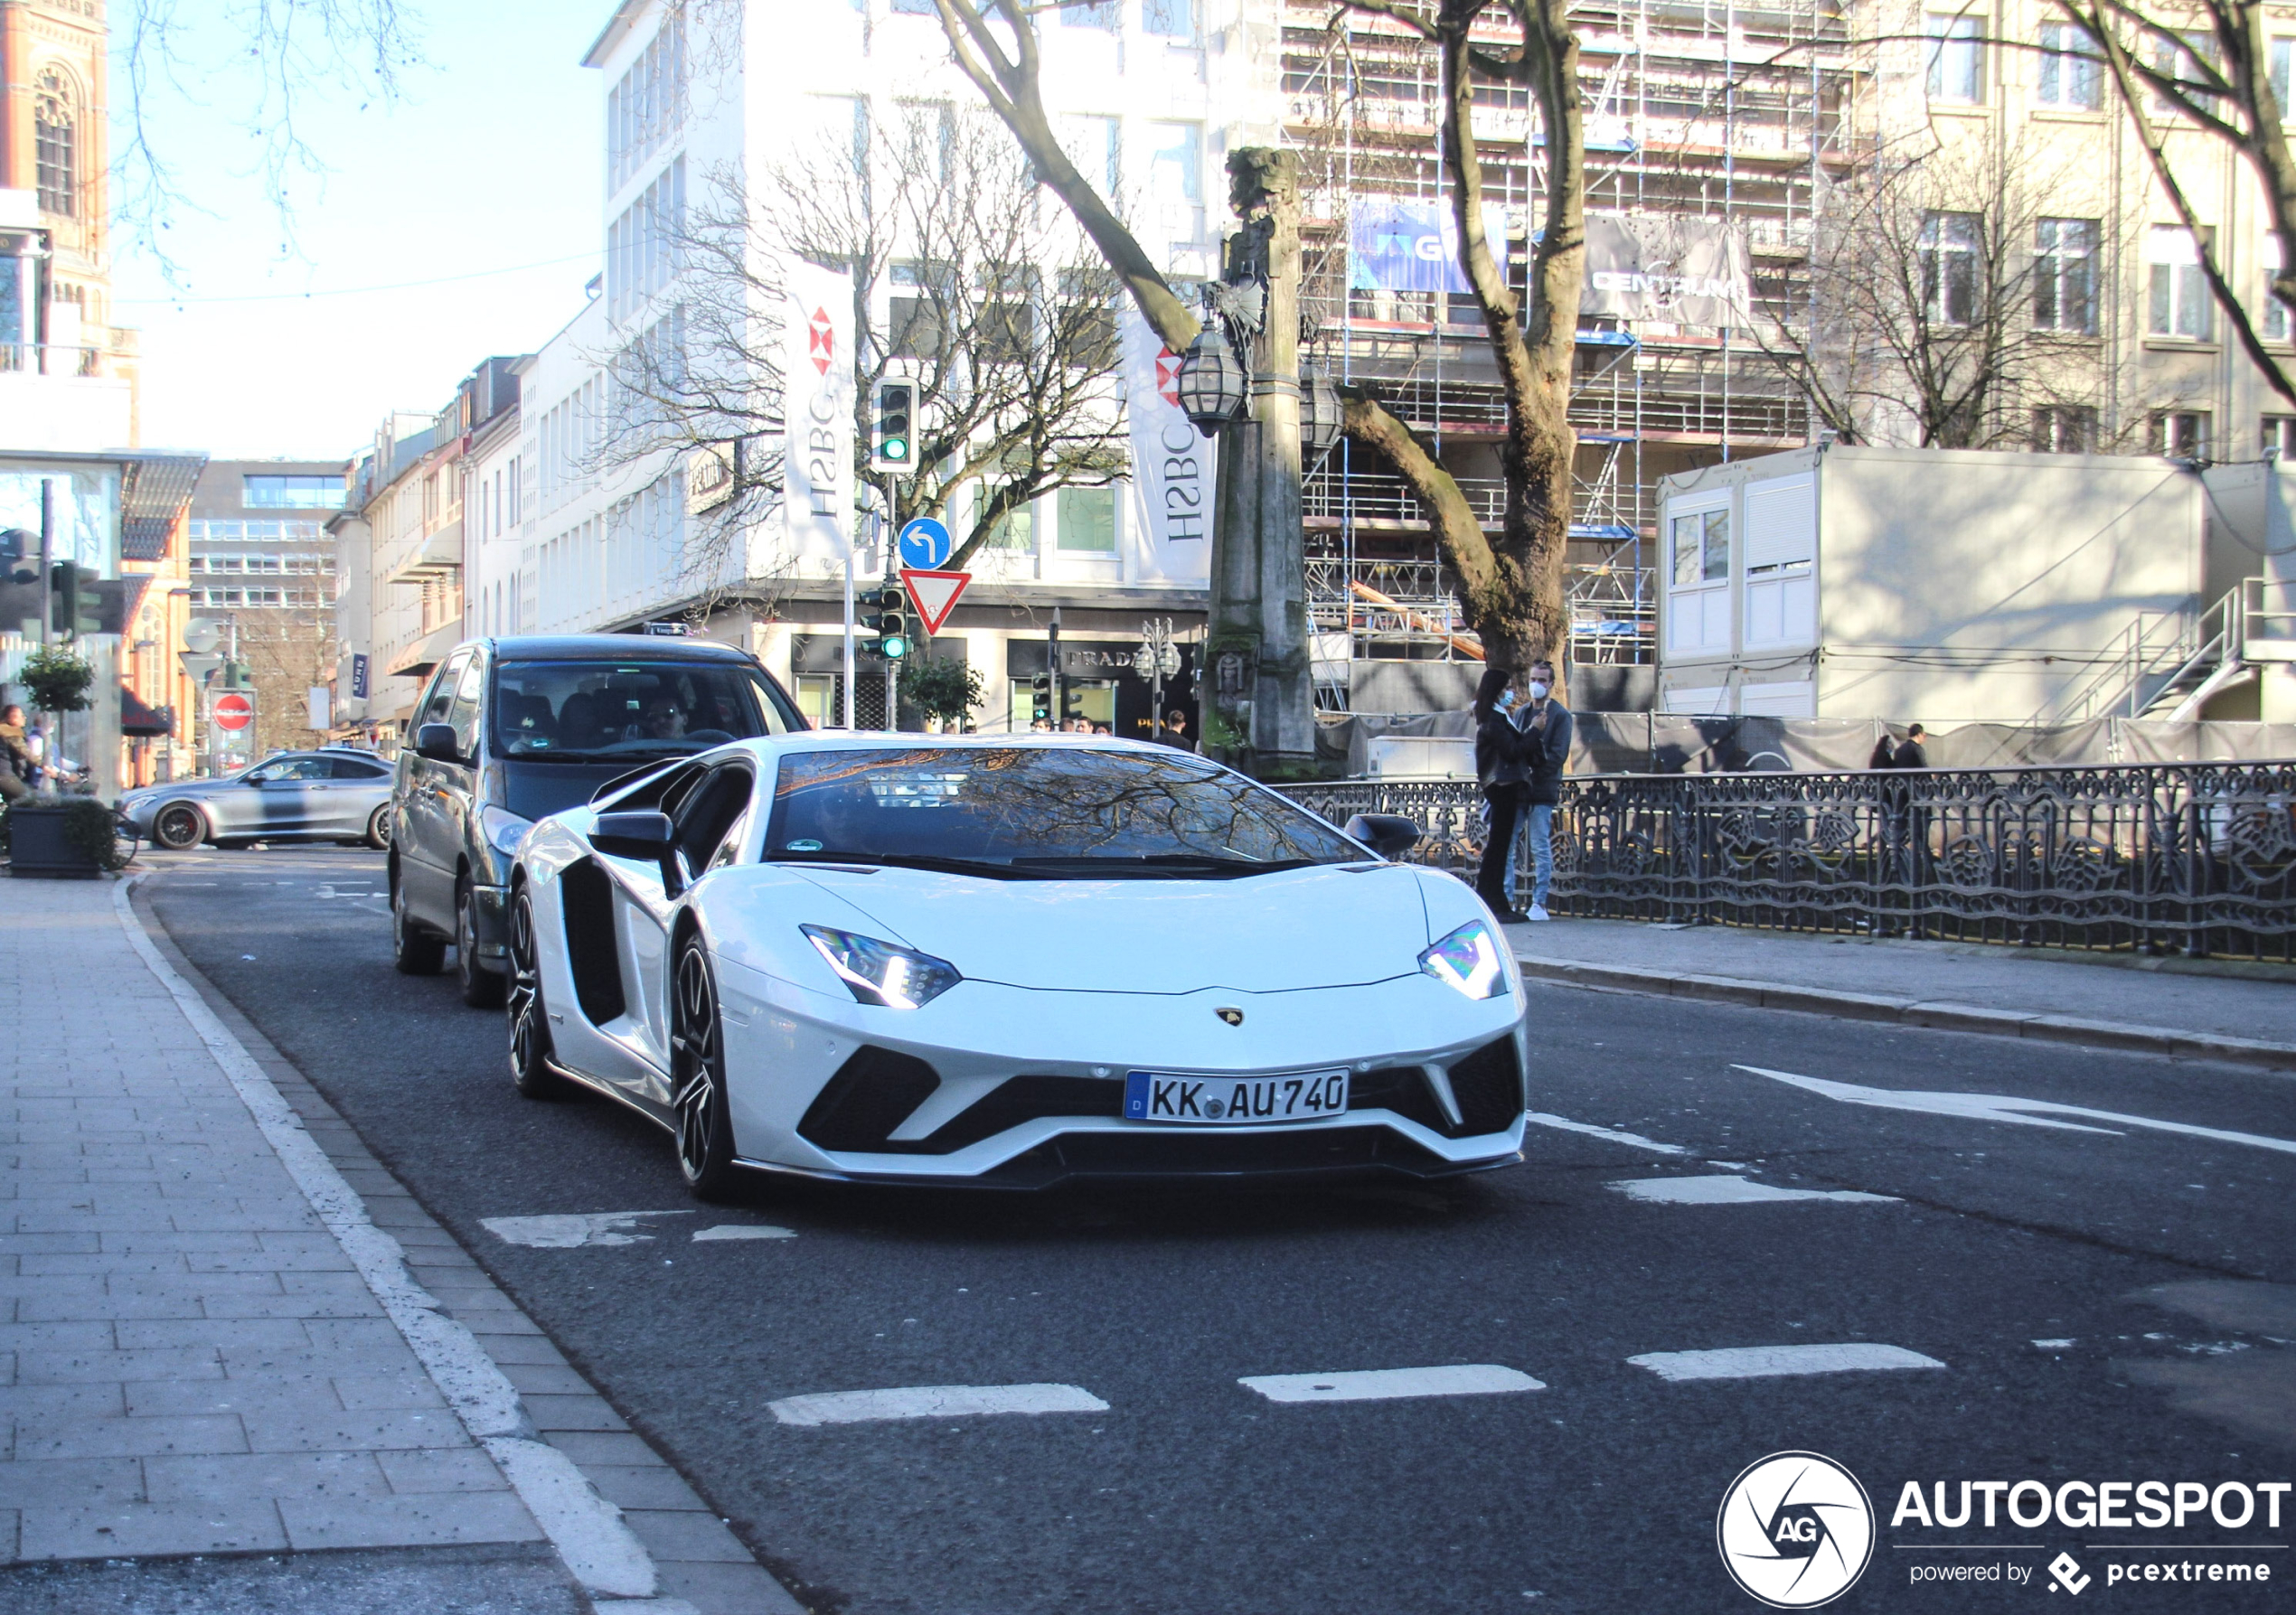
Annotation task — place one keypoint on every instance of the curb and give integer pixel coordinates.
(618, 1571)
(2173, 1041)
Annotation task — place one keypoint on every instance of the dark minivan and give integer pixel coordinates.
(512, 730)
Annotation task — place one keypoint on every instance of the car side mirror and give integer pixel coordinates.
(640, 835)
(436, 742)
(1390, 835)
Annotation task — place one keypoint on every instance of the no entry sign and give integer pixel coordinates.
(233, 711)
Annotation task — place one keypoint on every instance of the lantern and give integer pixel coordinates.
(1211, 381)
(1319, 411)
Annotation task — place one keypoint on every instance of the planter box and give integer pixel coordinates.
(37, 847)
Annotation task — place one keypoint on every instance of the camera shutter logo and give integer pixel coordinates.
(1795, 1530)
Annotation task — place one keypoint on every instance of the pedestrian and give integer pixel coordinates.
(35, 745)
(16, 754)
(1547, 726)
(1176, 730)
(1911, 754)
(1502, 765)
(1885, 753)
(1042, 726)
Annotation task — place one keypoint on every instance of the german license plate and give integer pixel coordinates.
(1171, 1098)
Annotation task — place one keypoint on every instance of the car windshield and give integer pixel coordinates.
(605, 711)
(1040, 812)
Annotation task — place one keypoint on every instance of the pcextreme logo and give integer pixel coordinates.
(1795, 1530)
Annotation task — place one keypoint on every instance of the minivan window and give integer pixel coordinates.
(610, 711)
(442, 691)
(464, 713)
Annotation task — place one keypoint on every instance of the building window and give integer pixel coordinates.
(1089, 13)
(2186, 65)
(1088, 520)
(2181, 434)
(1169, 19)
(1096, 146)
(2065, 275)
(2065, 430)
(2279, 71)
(642, 245)
(56, 145)
(1701, 548)
(2276, 322)
(2280, 437)
(914, 8)
(647, 107)
(2180, 304)
(1956, 57)
(2069, 75)
(291, 492)
(1949, 254)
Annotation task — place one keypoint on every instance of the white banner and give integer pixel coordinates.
(817, 406)
(1171, 462)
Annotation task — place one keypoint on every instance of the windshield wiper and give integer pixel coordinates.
(904, 860)
(1154, 864)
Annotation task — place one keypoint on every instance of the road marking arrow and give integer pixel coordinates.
(2000, 1107)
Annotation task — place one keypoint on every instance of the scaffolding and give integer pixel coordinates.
(1725, 112)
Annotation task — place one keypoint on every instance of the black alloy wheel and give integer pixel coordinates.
(179, 827)
(530, 1026)
(379, 829)
(698, 1078)
(482, 989)
(414, 951)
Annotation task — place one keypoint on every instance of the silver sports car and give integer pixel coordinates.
(291, 796)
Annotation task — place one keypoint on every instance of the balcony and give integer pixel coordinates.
(438, 553)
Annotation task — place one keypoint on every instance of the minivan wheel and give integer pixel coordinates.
(482, 988)
(379, 829)
(179, 827)
(415, 952)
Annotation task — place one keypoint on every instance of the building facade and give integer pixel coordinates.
(262, 572)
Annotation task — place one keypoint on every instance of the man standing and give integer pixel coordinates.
(1546, 724)
(1503, 768)
(1176, 730)
(1911, 754)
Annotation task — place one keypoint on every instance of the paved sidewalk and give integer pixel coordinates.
(2110, 1001)
(210, 1346)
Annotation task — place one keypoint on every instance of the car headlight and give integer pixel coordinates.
(504, 830)
(1469, 960)
(878, 973)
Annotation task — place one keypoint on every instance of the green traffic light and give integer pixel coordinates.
(892, 647)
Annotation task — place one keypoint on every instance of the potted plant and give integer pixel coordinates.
(61, 838)
(58, 679)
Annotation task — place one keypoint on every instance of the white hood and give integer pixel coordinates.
(1300, 928)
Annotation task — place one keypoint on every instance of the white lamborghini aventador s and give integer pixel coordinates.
(1008, 960)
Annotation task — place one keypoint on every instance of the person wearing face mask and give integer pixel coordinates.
(1546, 726)
(1503, 765)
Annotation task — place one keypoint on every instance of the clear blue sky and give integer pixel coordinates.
(271, 344)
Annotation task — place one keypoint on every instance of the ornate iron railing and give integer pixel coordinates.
(2197, 856)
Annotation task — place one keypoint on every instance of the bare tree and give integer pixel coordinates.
(1512, 585)
(284, 50)
(1942, 305)
(2205, 65)
(963, 281)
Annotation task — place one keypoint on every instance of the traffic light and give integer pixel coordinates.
(1040, 697)
(882, 614)
(892, 428)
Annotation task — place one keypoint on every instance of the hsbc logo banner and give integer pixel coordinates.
(817, 371)
(1172, 461)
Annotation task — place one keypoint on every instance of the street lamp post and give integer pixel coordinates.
(1260, 692)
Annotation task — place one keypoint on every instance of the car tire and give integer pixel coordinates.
(530, 1072)
(415, 952)
(482, 989)
(179, 827)
(379, 829)
(698, 1078)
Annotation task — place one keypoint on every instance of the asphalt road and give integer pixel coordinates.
(1190, 1492)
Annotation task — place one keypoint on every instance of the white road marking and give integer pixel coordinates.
(2053, 1345)
(1770, 1362)
(1540, 1119)
(2000, 1107)
(743, 1231)
(933, 1402)
(1387, 1384)
(1733, 1191)
(565, 1231)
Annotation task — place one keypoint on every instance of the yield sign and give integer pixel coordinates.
(934, 594)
